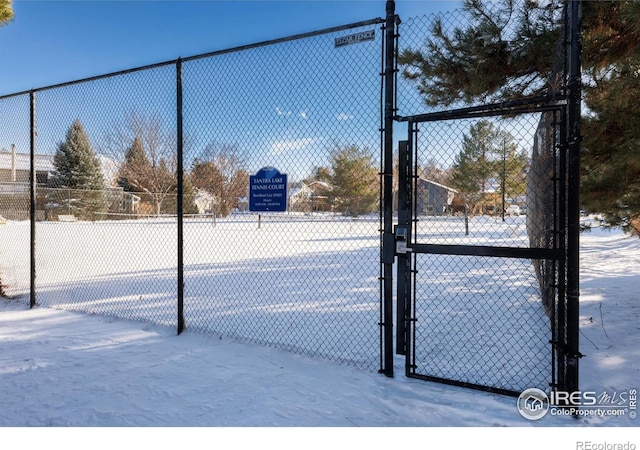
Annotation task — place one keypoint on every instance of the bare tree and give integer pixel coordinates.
(145, 156)
(221, 171)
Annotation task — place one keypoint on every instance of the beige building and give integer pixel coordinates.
(15, 166)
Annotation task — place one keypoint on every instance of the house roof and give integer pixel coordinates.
(43, 163)
(439, 185)
(310, 189)
(322, 184)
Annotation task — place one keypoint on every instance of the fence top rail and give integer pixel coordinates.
(202, 55)
(514, 107)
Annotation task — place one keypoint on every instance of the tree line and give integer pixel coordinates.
(147, 167)
(487, 167)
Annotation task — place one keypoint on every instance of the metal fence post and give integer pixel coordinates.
(389, 90)
(573, 204)
(179, 200)
(32, 197)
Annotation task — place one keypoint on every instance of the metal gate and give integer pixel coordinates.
(486, 241)
(479, 277)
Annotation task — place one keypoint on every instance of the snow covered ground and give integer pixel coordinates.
(69, 369)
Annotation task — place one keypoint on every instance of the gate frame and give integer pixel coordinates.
(406, 298)
(568, 105)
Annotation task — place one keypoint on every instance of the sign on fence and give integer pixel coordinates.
(268, 190)
(356, 38)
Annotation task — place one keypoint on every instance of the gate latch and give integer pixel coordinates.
(402, 233)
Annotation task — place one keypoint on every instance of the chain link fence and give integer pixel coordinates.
(14, 195)
(114, 153)
(142, 203)
(306, 279)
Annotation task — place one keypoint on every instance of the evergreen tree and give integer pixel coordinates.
(488, 163)
(145, 153)
(611, 145)
(154, 182)
(136, 168)
(170, 202)
(6, 11)
(510, 49)
(78, 169)
(354, 180)
(76, 165)
(475, 166)
(188, 196)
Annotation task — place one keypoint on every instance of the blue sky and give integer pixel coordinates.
(50, 42)
(286, 105)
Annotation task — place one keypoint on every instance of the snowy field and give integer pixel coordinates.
(307, 284)
(69, 369)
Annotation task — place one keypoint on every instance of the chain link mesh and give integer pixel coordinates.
(308, 279)
(305, 280)
(480, 320)
(489, 180)
(85, 260)
(14, 195)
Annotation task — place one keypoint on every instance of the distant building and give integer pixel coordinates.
(311, 197)
(14, 188)
(206, 202)
(15, 167)
(434, 198)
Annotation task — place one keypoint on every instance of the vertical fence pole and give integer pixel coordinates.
(403, 282)
(179, 200)
(573, 203)
(389, 90)
(32, 198)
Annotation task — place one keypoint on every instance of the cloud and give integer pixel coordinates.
(303, 114)
(281, 112)
(280, 147)
(344, 116)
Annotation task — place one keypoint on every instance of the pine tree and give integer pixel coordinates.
(509, 49)
(78, 169)
(136, 168)
(354, 180)
(611, 145)
(488, 163)
(146, 171)
(76, 164)
(6, 11)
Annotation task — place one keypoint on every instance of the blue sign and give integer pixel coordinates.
(268, 190)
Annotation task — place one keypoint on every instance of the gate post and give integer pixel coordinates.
(387, 259)
(573, 203)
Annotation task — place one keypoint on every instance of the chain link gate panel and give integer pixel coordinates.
(476, 308)
(486, 237)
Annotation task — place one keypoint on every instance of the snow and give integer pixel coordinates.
(71, 369)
